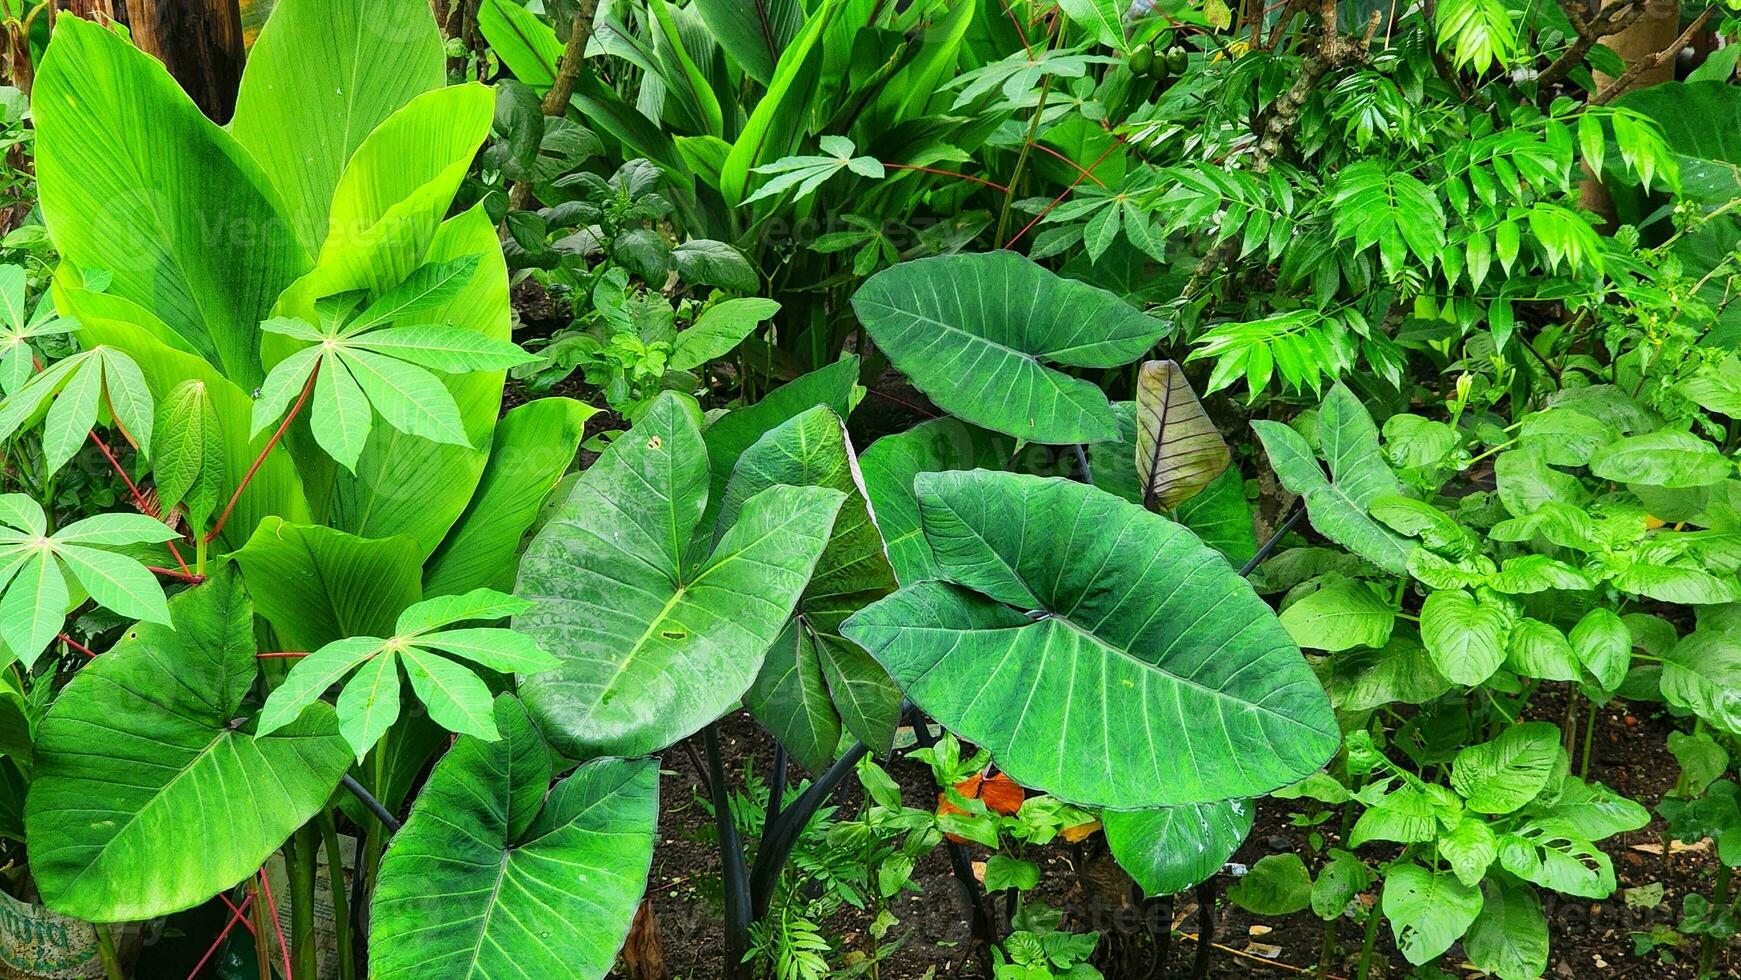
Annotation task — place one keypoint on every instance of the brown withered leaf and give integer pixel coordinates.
(1178, 449)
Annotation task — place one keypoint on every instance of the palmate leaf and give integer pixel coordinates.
(491, 880)
(18, 327)
(811, 657)
(807, 173)
(76, 392)
(457, 698)
(975, 333)
(1339, 505)
(1178, 449)
(154, 822)
(34, 566)
(653, 645)
(1117, 662)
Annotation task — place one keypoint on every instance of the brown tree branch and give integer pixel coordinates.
(567, 74)
(1624, 83)
(1609, 21)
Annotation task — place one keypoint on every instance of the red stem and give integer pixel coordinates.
(1020, 31)
(1062, 195)
(76, 645)
(281, 655)
(188, 577)
(272, 907)
(261, 459)
(949, 173)
(132, 488)
(236, 915)
(1043, 148)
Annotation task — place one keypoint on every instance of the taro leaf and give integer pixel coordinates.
(489, 879)
(1178, 449)
(1505, 774)
(812, 450)
(318, 585)
(1339, 506)
(181, 802)
(1220, 514)
(1428, 910)
(890, 466)
(427, 643)
(1169, 849)
(1509, 939)
(1100, 644)
(1667, 458)
(321, 76)
(652, 646)
(534, 445)
(35, 567)
(136, 180)
(976, 333)
(1278, 884)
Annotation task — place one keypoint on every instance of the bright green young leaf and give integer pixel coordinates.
(75, 392)
(806, 173)
(1666, 458)
(1465, 637)
(652, 646)
(719, 330)
(1343, 614)
(1470, 848)
(1428, 910)
(1104, 19)
(189, 463)
(18, 328)
(779, 121)
(1090, 643)
(1505, 774)
(976, 334)
(1339, 506)
(1278, 884)
(181, 803)
(1509, 939)
(491, 880)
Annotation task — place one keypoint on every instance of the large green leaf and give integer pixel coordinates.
(1338, 505)
(1169, 849)
(653, 647)
(890, 466)
(1100, 640)
(1428, 910)
(753, 32)
(812, 450)
(137, 182)
(489, 879)
(1702, 674)
(147, 796)
(1503, 775)
(976, 332)
(534, 445)
(320, 77)
(1509, 939)
(317, 585)
(782, 116)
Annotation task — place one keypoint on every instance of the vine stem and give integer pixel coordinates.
(260, 460)
(133, 488)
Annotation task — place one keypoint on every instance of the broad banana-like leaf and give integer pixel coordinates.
(320, 77)
(534, 445)
(975, 333)
(105, 318)
(653, 646)
(394, 193)
(136, 181)
(1178, 449)
(753, 32)
(413, 486)
(890, 466)
(1099, 652)
(1169, 849)
(317, 585)
(490, 880)
(147, 797)
(1339, 506)
(812, 450)
(781, 119)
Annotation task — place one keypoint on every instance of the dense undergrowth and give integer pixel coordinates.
(1138, 417)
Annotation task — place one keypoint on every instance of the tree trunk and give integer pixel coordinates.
(1656, 30)
(200, 42)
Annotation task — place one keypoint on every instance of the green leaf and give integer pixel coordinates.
(116, 582)
(1537, 649)
(529, 885)
(1339, 506)
(181, 803)
(778, 122)
(1004, 873)
(1345, 613)
(317, 585)
(812, 450)
(1104, 19)
(34, 606)
(321, 76)
(1465, 637)
(422, 293)
(1558, 862)
(339, 416)
(1428, 910)
(1361, 680)
(1505, 774)
(890, 466)
(408, 398)
(310, 678)
(1509, 939)
(127, 397)
(835, 386)
(652, 647)
(1701, 674)
(458, 700)
(1341, 878)
(704, 262)
(1169, 849)
(790, 698)
(170, 204)
(72, 416)
(1667, 458)
(719, 330)
(453, 350)
(753, 32)
(189, 465)
(1101, 669)
(1470, 848)
(483, 604)
(1278, 884)
(976, 333)
(1178, 449)
(534, 445)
